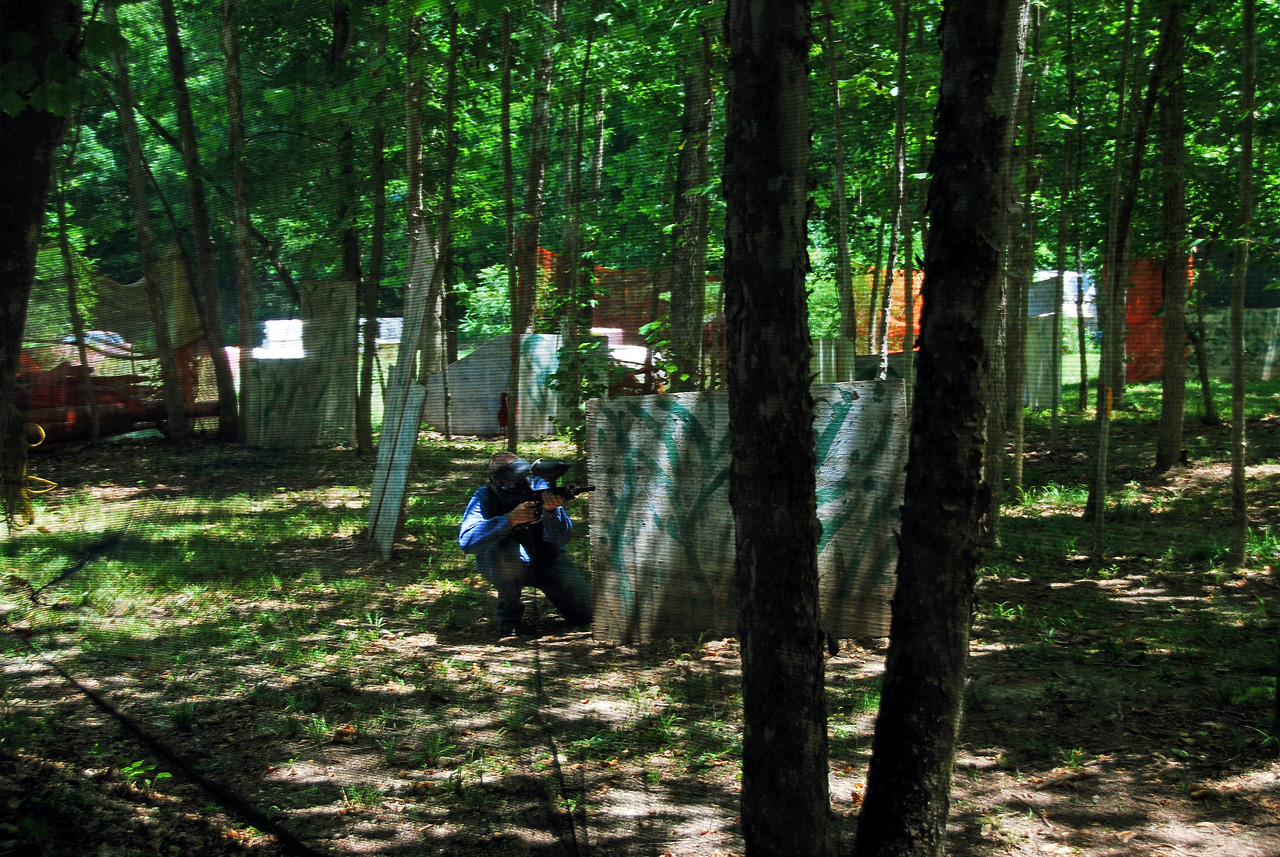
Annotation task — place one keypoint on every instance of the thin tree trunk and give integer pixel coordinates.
(73, 301)
(270, 249)
(689, 254)
(1127, 191)
(1025, 263)
(913, 751)
(1173, 382)
(785, 800)
(873, 303)
(157, 300)
(1196, 335)
(1244, 234)
(206, 270)
(1082, 401)
(526, 303)
(1112, 274)
(897, 178)
(509, 208)
(1060, 259)
(370, 285)
(536, 177)
(240, 208)
(445, 231)
(348, 202)
(420, 253)
(844, 266)
(1003, 336)
(573, 329)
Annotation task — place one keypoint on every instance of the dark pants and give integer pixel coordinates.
(553, 571)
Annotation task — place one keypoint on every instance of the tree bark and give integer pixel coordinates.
(36, 35)
(240, 207)
(944, 514)
(73, 300)
(1117, 246)
(1060, 259)
(1244, 234)
(1196, 335)
(209, 303)
(772, 480)
(844, 265)
(873, 301)
(897, 185)
(509, 208)
(689, 255)
(444, 233)
(157, 300)
(1173, 381)
(536, 177)
(370, 285)
(1023, 262)
(525, 304)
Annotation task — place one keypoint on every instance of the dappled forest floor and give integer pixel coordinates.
(282, 689)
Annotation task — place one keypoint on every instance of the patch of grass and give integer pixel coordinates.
(362, 796)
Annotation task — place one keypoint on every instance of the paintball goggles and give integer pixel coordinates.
(551, 470)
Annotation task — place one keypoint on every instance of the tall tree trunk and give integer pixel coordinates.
(239, 207)
(572, 329)
(785, 801)
(157, 300)
(370, 285)
(689, 254)
(525, 305)
(944, 513)
(1197, 336)
(873, 303)
(1244, 234)
(1127, 194)
(1023, 262)
(209, 303)
(73, 298)
(1003, 338)
(37, 34)
(445, 229)
(1082, 400)
(1110, 316)
(512, 248)
(844, 266)
(421, 251)
(1060, 259)
(536, 177)
(897, 179)
(1173, 381)
(348, 202)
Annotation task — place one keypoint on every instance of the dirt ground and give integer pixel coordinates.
(1112, 709)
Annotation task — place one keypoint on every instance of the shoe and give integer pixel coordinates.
(506, 630)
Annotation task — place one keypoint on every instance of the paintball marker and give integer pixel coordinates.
(548, 469)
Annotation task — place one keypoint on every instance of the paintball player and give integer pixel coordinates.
(517, 544)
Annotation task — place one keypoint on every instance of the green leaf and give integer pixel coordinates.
(11, 102)
(281, 100)
(102, 39)
(18, 76)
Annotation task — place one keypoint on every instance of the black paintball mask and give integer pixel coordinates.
(512, 480)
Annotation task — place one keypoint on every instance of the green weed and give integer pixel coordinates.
(362, 796)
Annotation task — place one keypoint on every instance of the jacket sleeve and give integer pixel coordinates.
(557, 528)
(478, 532)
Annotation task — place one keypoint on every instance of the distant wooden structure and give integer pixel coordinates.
(662, 532)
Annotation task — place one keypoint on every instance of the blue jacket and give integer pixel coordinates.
(485, 531)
